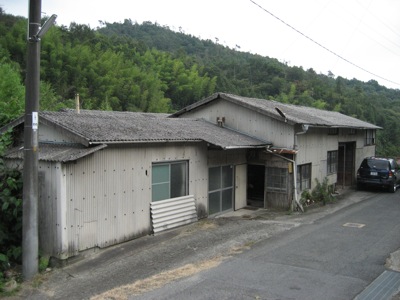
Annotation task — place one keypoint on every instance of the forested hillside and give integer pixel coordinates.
(148, 67)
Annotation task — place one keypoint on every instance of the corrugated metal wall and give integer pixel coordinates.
(109, 193)
(247, 121)
(104, 198)
(47, 207)
(52, 214)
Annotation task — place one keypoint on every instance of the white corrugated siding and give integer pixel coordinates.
(105, 198)
(109, 192)
(247, 121)
(172, 213)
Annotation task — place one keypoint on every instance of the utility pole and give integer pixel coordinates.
(30, 232)
(30, 228)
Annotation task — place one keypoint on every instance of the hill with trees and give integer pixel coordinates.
(147, 67)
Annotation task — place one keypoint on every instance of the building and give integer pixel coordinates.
(109, 177)
(308, 144)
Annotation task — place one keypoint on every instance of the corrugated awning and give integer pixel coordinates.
(279, 150)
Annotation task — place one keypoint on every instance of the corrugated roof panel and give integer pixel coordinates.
(56, 152)
(130, 127)
(293, 114)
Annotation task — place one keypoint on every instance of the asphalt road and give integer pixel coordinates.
(335, 257)
(242, 255)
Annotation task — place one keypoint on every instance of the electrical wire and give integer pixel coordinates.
(322, 46)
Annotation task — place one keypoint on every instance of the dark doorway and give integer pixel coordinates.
(346, 161)
(255, 185)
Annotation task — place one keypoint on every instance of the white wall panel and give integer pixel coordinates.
(172, 213)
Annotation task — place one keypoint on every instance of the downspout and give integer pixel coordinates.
(294, 177)
(304, 129)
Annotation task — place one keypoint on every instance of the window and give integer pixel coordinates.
(333, 131)
(277, 179)
(352, 131)
(369, 137)
(304, 177)
(220, 189)
(169, 180)
(332, 162)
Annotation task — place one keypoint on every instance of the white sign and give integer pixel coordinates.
(35, 120)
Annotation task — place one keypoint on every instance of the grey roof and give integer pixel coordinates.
(56, 152)
(292, 114)
(106, 127)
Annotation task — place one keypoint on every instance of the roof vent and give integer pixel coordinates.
(221, 121)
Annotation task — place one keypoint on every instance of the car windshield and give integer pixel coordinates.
(376, 164)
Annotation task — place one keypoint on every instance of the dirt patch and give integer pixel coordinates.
(205, 224)
(393, 261)
(157, 281)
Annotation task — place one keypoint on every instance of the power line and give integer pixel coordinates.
(322, 46)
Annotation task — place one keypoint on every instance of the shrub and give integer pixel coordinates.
(322, 192)
(11, 211)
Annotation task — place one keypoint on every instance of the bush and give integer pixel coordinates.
(322, 192)
(11, 211)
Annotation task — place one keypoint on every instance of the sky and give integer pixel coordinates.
(350, 38)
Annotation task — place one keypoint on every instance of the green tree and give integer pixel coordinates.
(12, 93)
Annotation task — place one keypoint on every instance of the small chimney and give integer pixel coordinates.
(77, 104)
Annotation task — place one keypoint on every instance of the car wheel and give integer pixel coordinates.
(393, 187)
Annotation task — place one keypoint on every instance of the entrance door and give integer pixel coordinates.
(220, 189)
(255, 185)
(346, 164)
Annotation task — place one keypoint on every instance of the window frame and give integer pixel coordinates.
(220, 185)
(332, 162)
(299, 177)
(276, 179)
(370, 137)
(155, 186)
(333, 131)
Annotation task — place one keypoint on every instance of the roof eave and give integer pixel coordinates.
(12, 124)
(76, 137)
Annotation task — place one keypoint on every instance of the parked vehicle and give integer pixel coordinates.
(378, 172)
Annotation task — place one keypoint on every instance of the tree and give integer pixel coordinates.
(12, 93)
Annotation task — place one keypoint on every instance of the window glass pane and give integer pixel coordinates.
(304, 177)
(160, 173)
(169, 180)
(178, 180)
(213, 202)
(332, 162)
(226, 199)
(227, 172)
(160, 191)
(276, 179)
(214, 178)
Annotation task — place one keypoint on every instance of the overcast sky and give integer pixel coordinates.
(351, 38)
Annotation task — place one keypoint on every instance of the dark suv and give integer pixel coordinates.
(378, 172)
